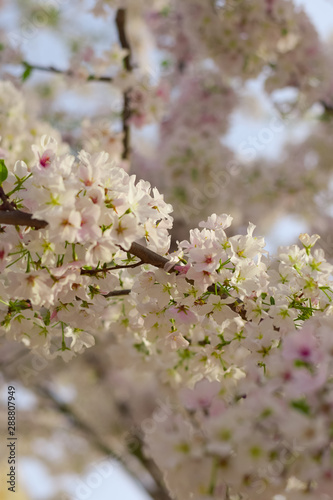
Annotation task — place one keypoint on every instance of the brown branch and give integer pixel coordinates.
(146, 256)
(160, 492)
(118, 293)
(78, 423)
(134, 434)
(121, 27)
(19, 218)
(69, 72)
(94, 272)
(6, 204)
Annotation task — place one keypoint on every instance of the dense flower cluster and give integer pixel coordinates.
(244, 38)
(222, 317)
(267, 436)
(94, 211)
(190, 146)
(227, 303)
(19, 126)
(215, 358)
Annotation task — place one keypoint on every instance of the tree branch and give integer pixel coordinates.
(78, 422)
(146, 256)
(117, 293)
(160, 492)
(69, 72)
(94, 272)
(6, 204)
(134, 433)
(19, 218)
(121, 27)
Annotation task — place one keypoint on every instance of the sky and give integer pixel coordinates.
(118, 485)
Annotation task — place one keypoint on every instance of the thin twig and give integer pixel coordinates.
(6, 204)
(94, 272)
(68, 72)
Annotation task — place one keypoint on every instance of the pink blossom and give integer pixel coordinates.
(183, 269)
(302, 346)
(4, 251)
(182, 314)
(202, 396)
(46, 158)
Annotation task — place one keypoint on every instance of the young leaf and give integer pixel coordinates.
(27, 72)
(3, 172)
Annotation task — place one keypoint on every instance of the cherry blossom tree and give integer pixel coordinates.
(139, 305)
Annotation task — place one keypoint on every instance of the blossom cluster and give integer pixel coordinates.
(190, 148)
(94, 211)
(243, 38)
(240, 339)
(226, 302)
(19, 125)
(248, 334)
(266, 436)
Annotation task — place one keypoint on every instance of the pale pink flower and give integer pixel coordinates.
(202, 396)
(217, 222)
(89, 230)
(302, 346)
(182, 314)
(33, 286)
(65, 225)
(4, 251)
(125, 230)
(176, 341)
(100, 252)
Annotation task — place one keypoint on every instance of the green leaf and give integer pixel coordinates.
(3, 172)
(142, 348)
(165, 11)
(27, 72)
(301, 405)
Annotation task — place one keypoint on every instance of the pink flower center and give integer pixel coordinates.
(203, 402)
(305, 352)
(45, 160)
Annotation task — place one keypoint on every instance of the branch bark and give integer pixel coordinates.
(68, 72)
(6, 204)
(159, 493)
(117, 293)
(19, 218)
(146, 256)
(121, 27)
(95, 272)
(134, 433)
